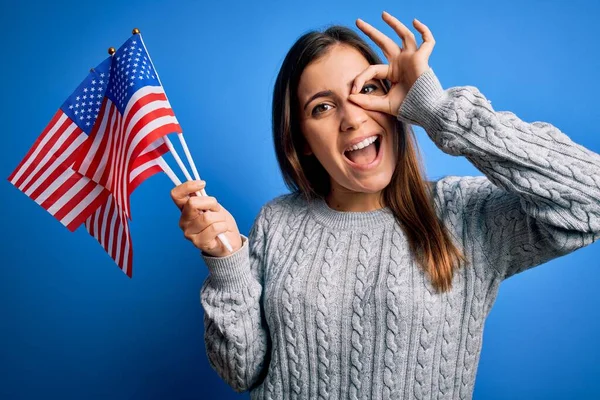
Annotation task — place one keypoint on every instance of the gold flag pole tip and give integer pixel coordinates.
(111, 50)
(135, 31)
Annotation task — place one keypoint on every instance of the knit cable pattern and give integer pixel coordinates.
(325, 287)
(292, 317)
(362, 289)
(396, 279)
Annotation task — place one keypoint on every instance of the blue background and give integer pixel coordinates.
(74, 326)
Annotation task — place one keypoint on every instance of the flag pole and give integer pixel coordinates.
(186, 150)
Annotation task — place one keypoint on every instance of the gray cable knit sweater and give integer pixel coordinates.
(326, 304)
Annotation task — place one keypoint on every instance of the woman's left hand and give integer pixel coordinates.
(405, 66)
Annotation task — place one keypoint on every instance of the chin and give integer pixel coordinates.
(374, 185)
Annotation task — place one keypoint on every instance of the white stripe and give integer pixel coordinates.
(81, 206)
(147, 165)
(54, 185)
(73, 190)
(39, 147)
(145, 110)
(51, 153)
(152, 146)
(144, 91)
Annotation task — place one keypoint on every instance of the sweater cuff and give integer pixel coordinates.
(420, 104)
(231, 272)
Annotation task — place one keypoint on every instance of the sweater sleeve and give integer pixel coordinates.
(540, 195)
(235, 331)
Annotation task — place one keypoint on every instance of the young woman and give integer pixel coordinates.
(368, 282)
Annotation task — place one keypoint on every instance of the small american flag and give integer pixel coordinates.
(48, 173)
(134, 115)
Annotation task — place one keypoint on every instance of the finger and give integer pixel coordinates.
(204, 219)
(428, 40)
(408, 38)
(373, 103)
(200, 203)
(209, 235)
(377, 71)
(181, 193)
(387, 45)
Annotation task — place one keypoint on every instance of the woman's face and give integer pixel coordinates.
(331, 123)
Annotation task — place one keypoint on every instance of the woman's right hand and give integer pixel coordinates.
(203, 218)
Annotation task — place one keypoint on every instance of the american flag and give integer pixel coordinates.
(48, 174)
(134, 115)
(45, 174)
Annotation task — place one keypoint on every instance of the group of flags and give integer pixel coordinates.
(103, 142)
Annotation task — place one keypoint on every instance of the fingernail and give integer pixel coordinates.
(353, 89)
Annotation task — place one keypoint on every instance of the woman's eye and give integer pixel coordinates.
(320, 109)
(370, 86)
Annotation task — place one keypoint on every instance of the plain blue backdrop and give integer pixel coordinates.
(75, 327)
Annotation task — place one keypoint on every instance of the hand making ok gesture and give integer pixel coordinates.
(406, 64)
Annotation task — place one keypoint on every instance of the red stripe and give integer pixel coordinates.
(147, 119)
(60, 168)
(33, 147)
(143, 176)
(143, 101)
(59, 191)
(89, 210)
(76, 199)
(35, 162)
(150, 155)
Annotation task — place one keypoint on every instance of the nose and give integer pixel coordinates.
(353, 116)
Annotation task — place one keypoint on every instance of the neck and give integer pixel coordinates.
(347, 200)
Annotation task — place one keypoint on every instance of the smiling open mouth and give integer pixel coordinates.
(365, 156)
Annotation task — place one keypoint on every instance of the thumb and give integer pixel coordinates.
(370, 102)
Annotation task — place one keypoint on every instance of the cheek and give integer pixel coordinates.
(320, 137)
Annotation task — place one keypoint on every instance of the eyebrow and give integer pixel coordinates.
(323, 93)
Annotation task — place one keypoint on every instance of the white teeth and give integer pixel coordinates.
(363, 144)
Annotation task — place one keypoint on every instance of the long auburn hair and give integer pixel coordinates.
(408, 195)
